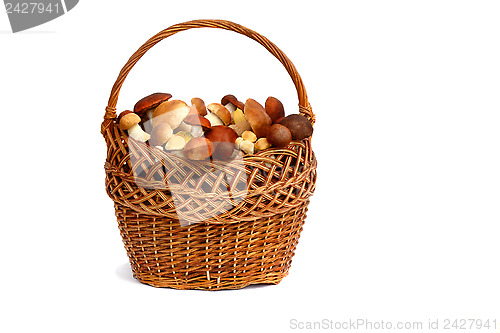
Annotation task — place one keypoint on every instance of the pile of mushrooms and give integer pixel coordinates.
(217, 130)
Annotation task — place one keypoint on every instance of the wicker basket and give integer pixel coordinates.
(250, 241)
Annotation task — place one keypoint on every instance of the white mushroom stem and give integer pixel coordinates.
(214, 120)
(138, 134)
(231, 107)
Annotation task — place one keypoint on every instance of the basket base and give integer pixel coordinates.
(210, 256)
(206, 285)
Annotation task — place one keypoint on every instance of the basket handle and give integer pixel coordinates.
(304, 106)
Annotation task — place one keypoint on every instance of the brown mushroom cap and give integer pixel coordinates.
(171, 112)
(220, 111)
(279, 135)
(128, 120)
(168, 106)
(233, 100)
(221, 133)
(274, 109)
(198, 149)
(160, 134)
(223, 139)
(199, 105)
(150, 101)
(195, 120)
(122, 114)
(299, 126)
(257, 117)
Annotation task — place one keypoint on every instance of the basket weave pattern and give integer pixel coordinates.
(252, 212)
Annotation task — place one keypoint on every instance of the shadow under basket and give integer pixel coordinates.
(246, 237)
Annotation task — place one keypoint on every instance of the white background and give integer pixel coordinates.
(404, 224)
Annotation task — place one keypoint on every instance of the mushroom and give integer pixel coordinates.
(240, 123)
(231, 99)
(238, 142)
(129, 122)
(199, 125)
(161, 134)
(279, 135)
(274, 109)
(249, 136)
(171, 112)
(185, 135)
(247, 146)
(231, 108)
(220, 111)
(214, 120)
(257, 117)
(120, 116)
(176, 142)
(238, 116)
(223, 139)
(198, 149)
(145, 106)
(300, 127)
(199, 106)
(261, 144)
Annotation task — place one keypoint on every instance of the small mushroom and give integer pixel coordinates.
(185, 135)
(231, 99)
(171, 112)
(247, 146)
(199, 106)
(161, 134)
(274, 109)
(238, 142)
(220, 111)
(198, 149)
(199, 125)
(279, 135)
(238, 116)
(261, 144)
(176, 142)
(300, 127)
(257, 117)
(223, 139)
(120, 116)
(129, 122)
(249, 136)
